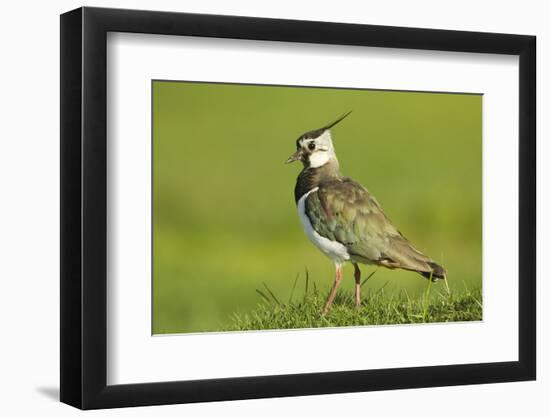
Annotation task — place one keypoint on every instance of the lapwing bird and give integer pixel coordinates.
(344, 220)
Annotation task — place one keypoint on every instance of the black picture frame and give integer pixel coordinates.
(84, 207)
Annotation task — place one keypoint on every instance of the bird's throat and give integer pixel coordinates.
(311, 177)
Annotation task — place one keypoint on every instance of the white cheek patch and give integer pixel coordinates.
(318, 158)
(324, 151)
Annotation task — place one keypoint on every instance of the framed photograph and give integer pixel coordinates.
(394, 249)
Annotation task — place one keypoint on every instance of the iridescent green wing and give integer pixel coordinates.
(344, 211)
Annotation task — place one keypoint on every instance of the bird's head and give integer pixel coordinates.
(315, 148)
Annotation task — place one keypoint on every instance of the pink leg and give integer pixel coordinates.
(357, 275)
(332, 294)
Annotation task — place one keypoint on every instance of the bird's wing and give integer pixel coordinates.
(343, 210)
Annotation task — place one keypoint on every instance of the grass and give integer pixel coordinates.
(378, 308)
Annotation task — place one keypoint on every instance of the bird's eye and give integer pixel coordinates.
(311, 146)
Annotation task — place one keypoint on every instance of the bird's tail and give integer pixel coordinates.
(405, 256)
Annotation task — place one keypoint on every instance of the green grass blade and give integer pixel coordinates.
(272, 295)
(369, 277)
(265, 297)
(293, 288)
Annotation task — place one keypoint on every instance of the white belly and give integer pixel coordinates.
(334, 250)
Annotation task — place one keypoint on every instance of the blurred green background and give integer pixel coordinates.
(225, 220)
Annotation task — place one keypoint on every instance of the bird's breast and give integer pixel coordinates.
(333, 249)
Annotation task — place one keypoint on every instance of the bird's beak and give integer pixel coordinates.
(294, 157)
